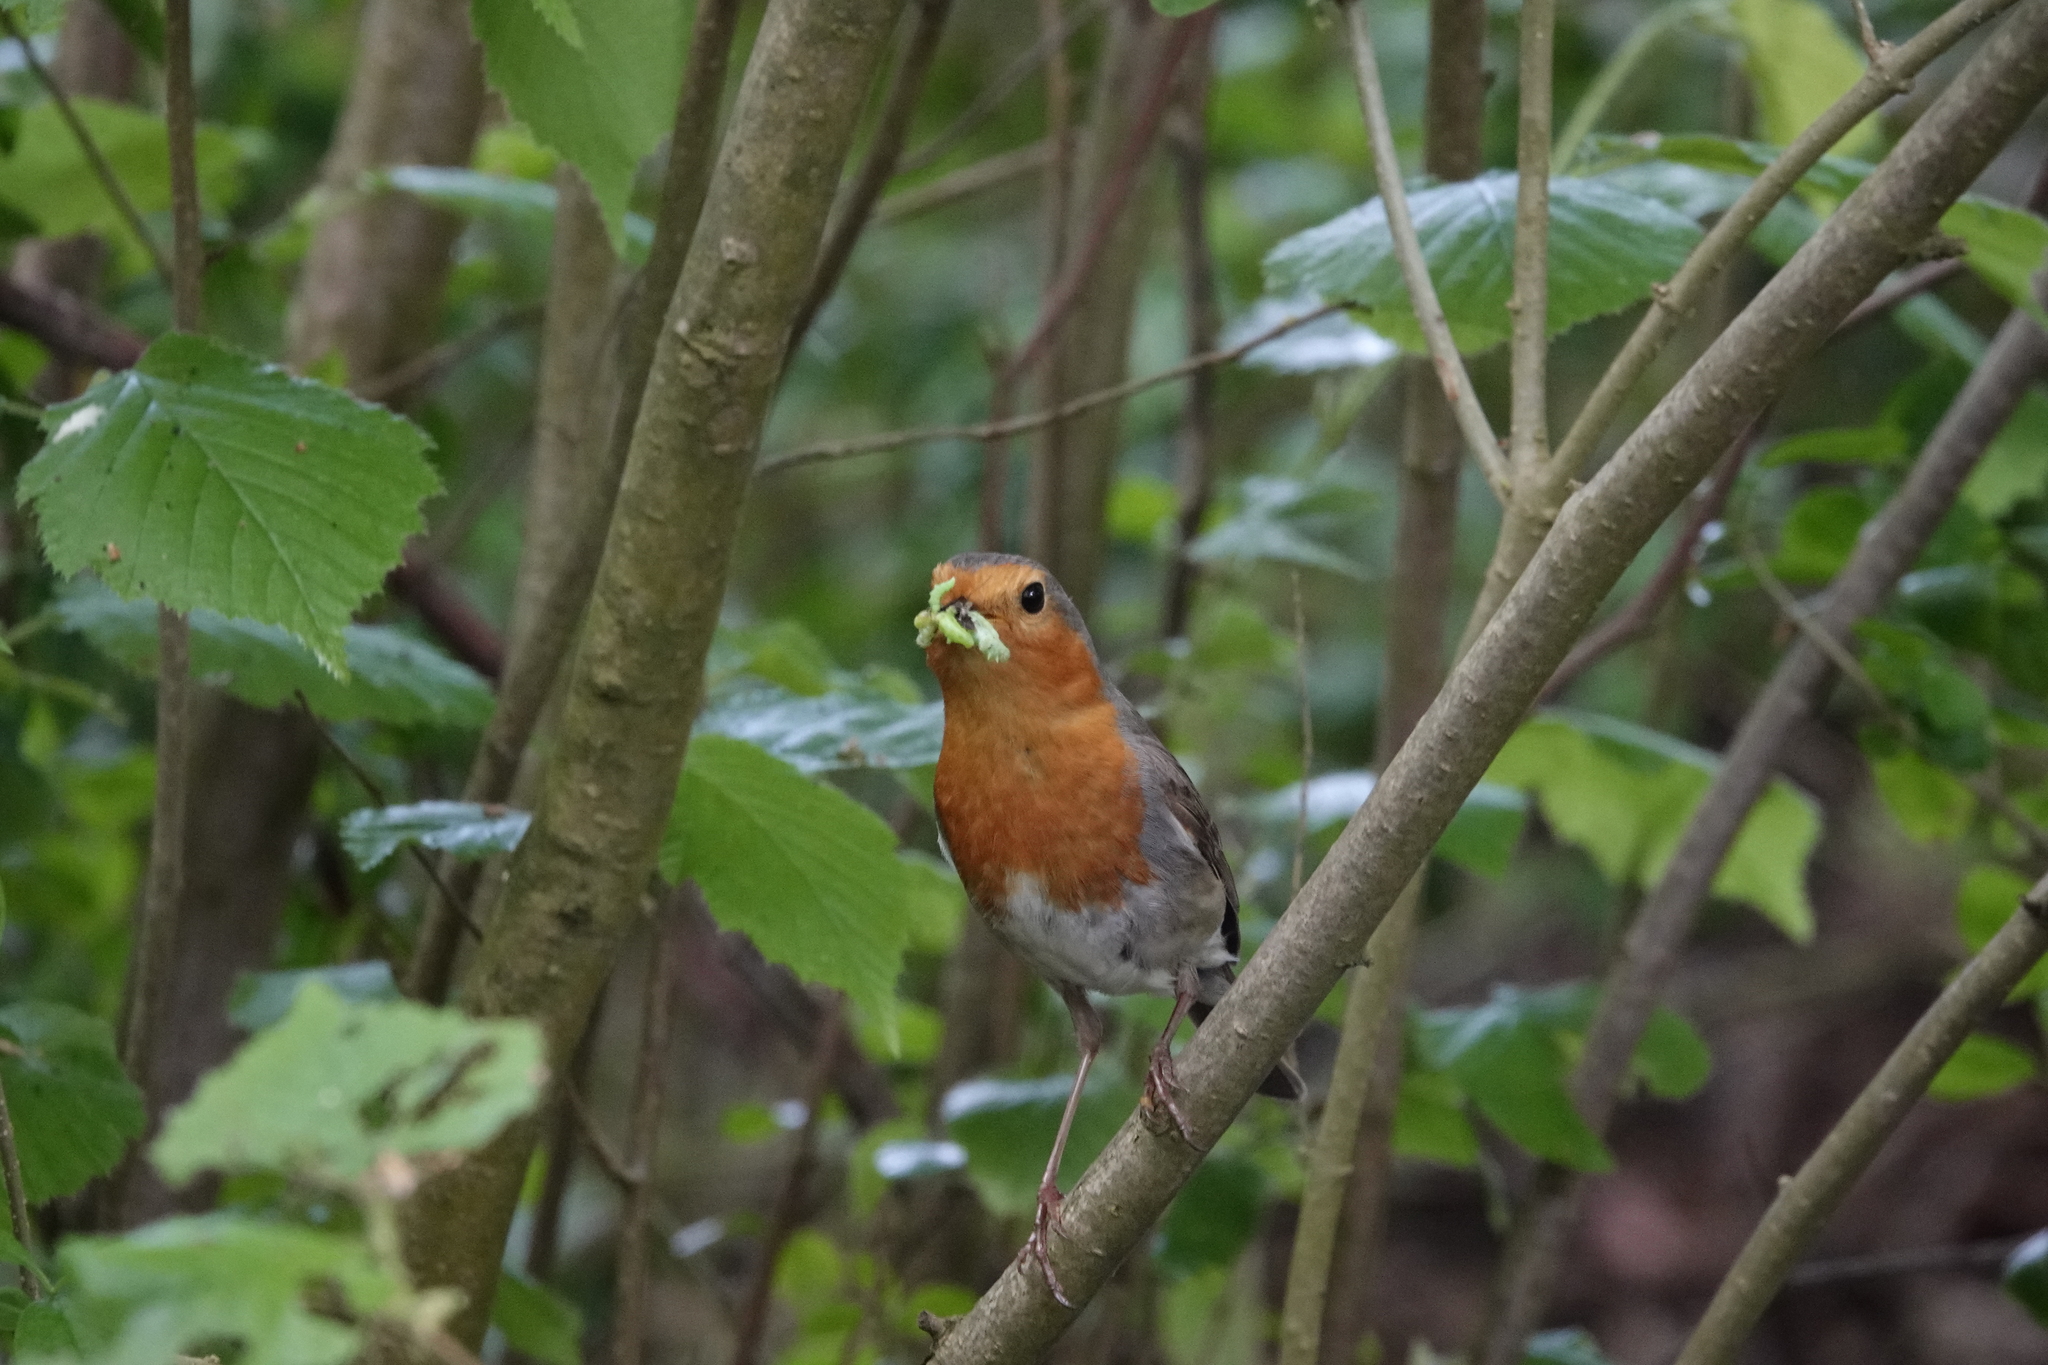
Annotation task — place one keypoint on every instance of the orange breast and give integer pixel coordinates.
(1056, 798)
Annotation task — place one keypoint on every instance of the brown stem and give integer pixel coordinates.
(1187, 142)
(1599, 533)
(17, 1197)
(788, 1213)
(885, 149)
(447, 612)
(991, 97)
(630, 1332)
(67, 324)
(574, 886)
(1650, 950)
(544, 1246)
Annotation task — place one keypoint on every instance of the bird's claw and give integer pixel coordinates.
(1038, 1247)
(1160, 1084)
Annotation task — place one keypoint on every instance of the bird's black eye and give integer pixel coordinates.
(1034, 598)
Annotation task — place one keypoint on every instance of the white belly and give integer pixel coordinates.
(1117, 950)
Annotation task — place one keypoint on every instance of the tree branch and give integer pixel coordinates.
(1429, 314)
(1529, 303)
(67, 324)
(574, 886)
(1012, 426)
(1026, 64)
(1650, 950)
(629, 1330)
(17, 1198)
(1806, 1200)
(1599, 532)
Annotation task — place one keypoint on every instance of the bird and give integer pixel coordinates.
(1081, 841)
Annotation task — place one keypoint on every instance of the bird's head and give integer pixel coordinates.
(1041, 645)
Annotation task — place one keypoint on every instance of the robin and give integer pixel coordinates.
(1082, 842)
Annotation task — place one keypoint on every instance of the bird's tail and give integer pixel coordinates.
(1284, 1081)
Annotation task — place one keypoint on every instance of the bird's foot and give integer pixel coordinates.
(1161, 1084)
(1038, 1246)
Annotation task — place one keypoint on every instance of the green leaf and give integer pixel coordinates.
(1506, 1056)
(1883, 444)
(205, 478)
(322, 1093)
(1429, 1119)
(1766, 866)
(1672, 1059)
(2007, 245)
(143, 24)
(392, 678)
(1931, 805)
(604, 105)
(536, 1321)
(2025, 1275)
(561, 17)
(1212, 1221)
(1175, 9)
(1819, 535)
(1336, 342)
(74, 1109)
(846, 727)
(2015, 466)
(1607, 248)
(498, 197)
(1007, 1128)
(260, 999)
(1284, 521)
(1987, 898)
(1983, 1066)
(1483, 835)
(805, 871)
(463, 828)
(188, 1283)
(1799, 64)
(1563, 1346)
(48, 177)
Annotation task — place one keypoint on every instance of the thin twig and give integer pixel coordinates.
(630, 1326)
(1117, 191)
(622, 1173)
(1901, 287)
(965, 183)
(376, 791)
(1529, 303)
(1012, 426)
(431, 364)
(885, 148)
(1026, 64)
(1802, 620)
(1806, 1200)
(1873, 47)
(17, 1197)
(1429, 313)
(1915, 1261)
(789, 1201)
(1308, 734)
(102, 170)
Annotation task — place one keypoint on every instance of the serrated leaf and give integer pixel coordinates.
(74, 1109)
(49, 179)
(323, 1092)
(805, 871)
(1799, 63)
(537, 1322)
(1506, 1056)
(463, 828)
(561, 17)
(392, 678)
(1607, 248)
(847, 727)
(1988, 897)
(2025, 1275)
(260, 999)
(605, 105)
(187, 1283)
(1007, 1128)
(204, 478)
(1985, 1065)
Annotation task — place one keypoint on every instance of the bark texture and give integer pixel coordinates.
(636, 681)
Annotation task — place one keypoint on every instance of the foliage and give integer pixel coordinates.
(463, 828)
(73, 1108)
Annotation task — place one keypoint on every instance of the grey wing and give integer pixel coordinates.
(1164, 778)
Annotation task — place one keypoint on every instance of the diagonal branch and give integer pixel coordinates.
(1443, 351)
(1598, 534)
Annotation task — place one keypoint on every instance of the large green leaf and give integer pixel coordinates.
(847, 727)
(1625, 794)
(2015, 467)
(1429, 1119)
(1799, 63)
(1988, 897)
(1481, 837)
(1985, 1065)
(47, 176)
(1008, 1126)
(1607, 248)
(537, 1322)
(805, 871)
(190, 1283)
(1507, 1056)
(462, 828)
(74, 1109)
(392, 678)
(487, 194)
(205, 478)
(603, 104)
(335, 1083)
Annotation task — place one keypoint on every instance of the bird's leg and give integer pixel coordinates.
(1088, 1034)
(1160, 1080)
